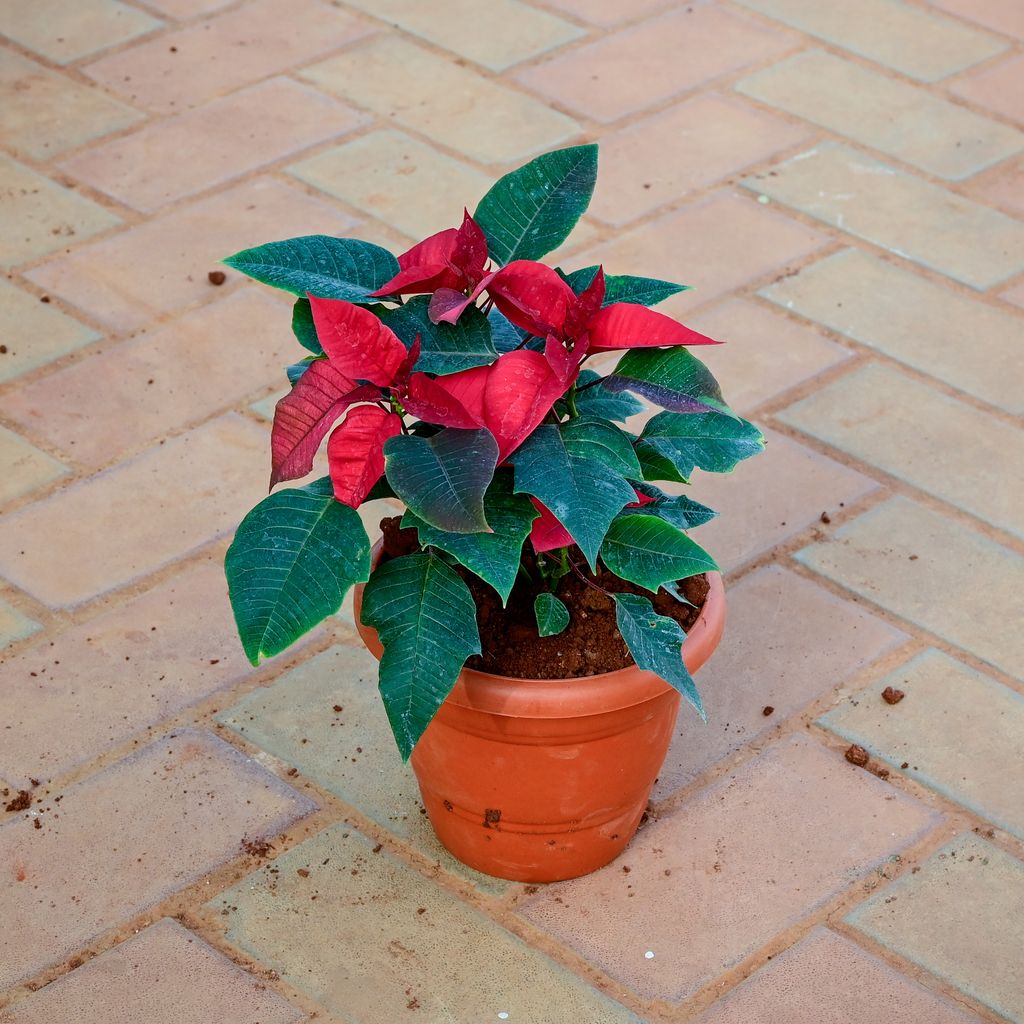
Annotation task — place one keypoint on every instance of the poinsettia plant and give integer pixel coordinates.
(457, 372)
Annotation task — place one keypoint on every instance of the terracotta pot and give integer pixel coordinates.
(538, 780)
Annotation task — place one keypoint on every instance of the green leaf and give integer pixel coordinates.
(648, 551)
(552, 615)
(330, 268)
(710, 441)
(654, 466)
(444, 348)
(505, 335)
(656, 643)
(290, 565)
(426, 620)
(565, 469)
(531, 211)
(642, 291)
(304, 328)
(590, 438)
(494, 557)
(677, 509)
(443, 478)
(598, 402)
(669, 377)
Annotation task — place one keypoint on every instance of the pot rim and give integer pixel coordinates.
(514, 697)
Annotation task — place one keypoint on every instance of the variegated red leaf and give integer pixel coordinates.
(356, 342)
(303, 417)
(355, 452)
(625, 325)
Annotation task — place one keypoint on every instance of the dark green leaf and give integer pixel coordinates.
(290, 565)
(426, 620)
(669, 377)
(531, 211)
(656, 643)
(588, 438)
(648, 551)
(655, 466)
(296, 370)
(552, 615)
(677, 509)
(710, 441)
(330, 268)
(304, 328)
(443, 478)
(505, 335)
(494, 557)
(444, 348)
(565, 470)
(597, 401)
(642, 291)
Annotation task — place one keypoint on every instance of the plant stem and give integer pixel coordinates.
(570, 401)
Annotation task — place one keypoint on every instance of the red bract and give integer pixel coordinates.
(548, 533)
(452, 259)
(356, 342)
(355, 452)
(510, 397)
(536, 299)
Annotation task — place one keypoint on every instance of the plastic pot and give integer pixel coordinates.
(537, 780)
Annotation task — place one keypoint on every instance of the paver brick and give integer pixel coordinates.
(192, 65)
(958, 731)
(655, 160)
(34, 332)
(958, 917)
(1014, 295)
(186, 8)
(25, 467)
(393, 177)
(715, 244)
(450, 104)
(887, 114)
(40, 216)
(827, 979)
(913, 561)
(248, 129)
(165, 503)
(998, 88)
(161, 265)
(769, 659)
(132, 393)
(43, 113)
(608, 12)
(911, 319)
(163, 975)
(103, 681)
(1006, 16)
(510, 33)
(764, 354)
(1002, 186)
(371, 940)
(914, 40)
(351, 753)
(14, 626)
(743, 860)
(643, 64)
(772, 498)
(64, 32)
(127, 837)
(942, 445)
(907, 215)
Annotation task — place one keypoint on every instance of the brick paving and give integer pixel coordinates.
(203, 841)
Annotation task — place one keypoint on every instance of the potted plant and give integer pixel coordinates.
(539, 607)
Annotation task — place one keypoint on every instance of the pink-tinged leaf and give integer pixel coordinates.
(470, 252)
(303, 417)
(586, 307)
(430, 401)
(355, 452)
(547, 532)
(532, 296)
(625, 325)
(446, 306)
(356, 342)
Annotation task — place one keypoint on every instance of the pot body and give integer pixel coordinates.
(538, 780)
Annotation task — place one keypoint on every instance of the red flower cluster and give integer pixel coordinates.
(368, 367)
